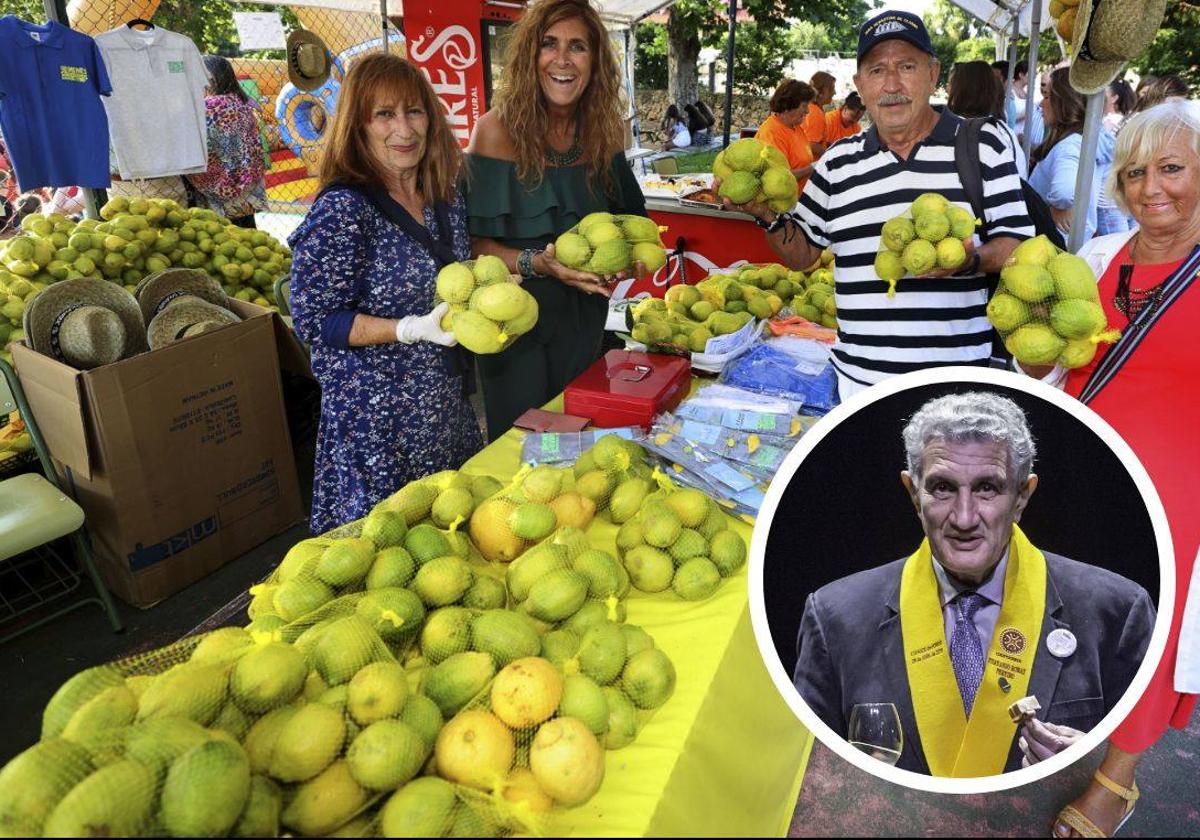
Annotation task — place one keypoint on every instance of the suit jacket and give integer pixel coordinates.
(851, 650)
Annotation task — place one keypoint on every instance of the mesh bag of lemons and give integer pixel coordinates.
(488, 308)
(927, 237)
(1047, 307)
(367, 695)
(229, 733)
(133, 238)
(814, 298)
(1063, 13)
(751, 170)
(608, 244)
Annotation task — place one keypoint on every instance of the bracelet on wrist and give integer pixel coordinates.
(525, 263)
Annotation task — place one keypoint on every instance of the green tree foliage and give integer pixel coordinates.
(763, 54)
(808, 36)
(31, 10)
(976, 49)
(650, 65)
(951, 28)
(692, 23)
(1175, 47)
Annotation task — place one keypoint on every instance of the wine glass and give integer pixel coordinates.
(875, 729)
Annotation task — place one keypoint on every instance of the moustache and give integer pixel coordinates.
(895, 99)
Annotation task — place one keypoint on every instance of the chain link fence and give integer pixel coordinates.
(295, 123)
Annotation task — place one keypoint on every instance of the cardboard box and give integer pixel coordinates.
(180, 457)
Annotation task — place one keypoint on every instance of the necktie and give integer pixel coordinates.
(966, 651)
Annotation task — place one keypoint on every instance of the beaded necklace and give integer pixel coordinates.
(568, 158)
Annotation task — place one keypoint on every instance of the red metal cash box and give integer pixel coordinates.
(628, 388)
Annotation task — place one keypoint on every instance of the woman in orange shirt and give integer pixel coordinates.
(844, 121)
(789, 105)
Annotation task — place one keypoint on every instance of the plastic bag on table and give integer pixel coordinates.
(770, 371)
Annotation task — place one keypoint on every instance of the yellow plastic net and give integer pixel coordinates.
(456, 662)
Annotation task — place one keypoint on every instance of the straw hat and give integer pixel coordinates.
(308, 60)
(1107, 34)
(161, 288)
(85, 323)
(185, 318)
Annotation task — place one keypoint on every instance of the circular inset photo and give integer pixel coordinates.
(956, 580)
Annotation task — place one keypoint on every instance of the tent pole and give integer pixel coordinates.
(1035, 40)
(383, 17)
(733, 5)
(1087, 170)
(1012, 53)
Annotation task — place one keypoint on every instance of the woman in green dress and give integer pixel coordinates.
(550, 152)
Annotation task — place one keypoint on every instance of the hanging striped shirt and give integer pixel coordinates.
(857, 186)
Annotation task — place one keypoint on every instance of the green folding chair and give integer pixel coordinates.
(665, 166)
(283, 300)
(34, 512)
(283, 296)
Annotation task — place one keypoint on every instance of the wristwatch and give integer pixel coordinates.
(525, 262)
(972, 266)
(773, 226)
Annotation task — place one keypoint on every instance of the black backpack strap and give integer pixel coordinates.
(970, 170)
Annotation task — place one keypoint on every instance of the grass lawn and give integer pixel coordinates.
(697, 161)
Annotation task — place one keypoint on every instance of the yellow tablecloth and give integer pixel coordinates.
(725, 756)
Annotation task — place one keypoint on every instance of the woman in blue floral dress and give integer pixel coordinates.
(365, 259)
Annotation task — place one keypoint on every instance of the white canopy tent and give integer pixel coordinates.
(1011, 18)
(1000, 15)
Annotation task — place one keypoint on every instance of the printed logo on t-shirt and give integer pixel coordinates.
(72, 74)
(37, 36)
(175, 67)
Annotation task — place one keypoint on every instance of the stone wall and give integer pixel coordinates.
(747, 110)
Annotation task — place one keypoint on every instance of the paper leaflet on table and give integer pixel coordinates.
(723, 396)
(762, 455)
(560, 447)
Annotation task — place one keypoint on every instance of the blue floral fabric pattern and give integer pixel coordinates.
(390, 413)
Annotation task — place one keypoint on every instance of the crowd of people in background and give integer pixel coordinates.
(803, 123)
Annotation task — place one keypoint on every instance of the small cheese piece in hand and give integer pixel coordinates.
(1024, 709)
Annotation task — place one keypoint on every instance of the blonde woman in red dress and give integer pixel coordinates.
(1145, 387)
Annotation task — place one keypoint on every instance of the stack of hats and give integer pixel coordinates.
(179, 303)
(86, 323)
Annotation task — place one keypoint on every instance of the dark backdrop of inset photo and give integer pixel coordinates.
(845, 509)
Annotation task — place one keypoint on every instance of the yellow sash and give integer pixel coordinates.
(954, 745)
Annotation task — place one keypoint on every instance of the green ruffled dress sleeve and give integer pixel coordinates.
(501, 207)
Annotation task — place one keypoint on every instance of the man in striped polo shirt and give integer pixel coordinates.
(864, 180)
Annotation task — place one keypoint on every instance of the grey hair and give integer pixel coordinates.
(1143, 136)
(976, 416)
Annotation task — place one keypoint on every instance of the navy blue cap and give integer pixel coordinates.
(887, 25)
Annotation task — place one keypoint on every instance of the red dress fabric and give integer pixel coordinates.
(1154, 405)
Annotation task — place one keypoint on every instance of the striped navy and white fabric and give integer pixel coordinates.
(857, 186)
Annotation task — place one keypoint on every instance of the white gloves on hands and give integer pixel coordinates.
(425, 328)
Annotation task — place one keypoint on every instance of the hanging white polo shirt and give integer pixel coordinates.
(156, 111)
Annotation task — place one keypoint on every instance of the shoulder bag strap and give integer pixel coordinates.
(1133, 335)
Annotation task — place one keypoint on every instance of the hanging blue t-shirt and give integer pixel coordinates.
(51, 81)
